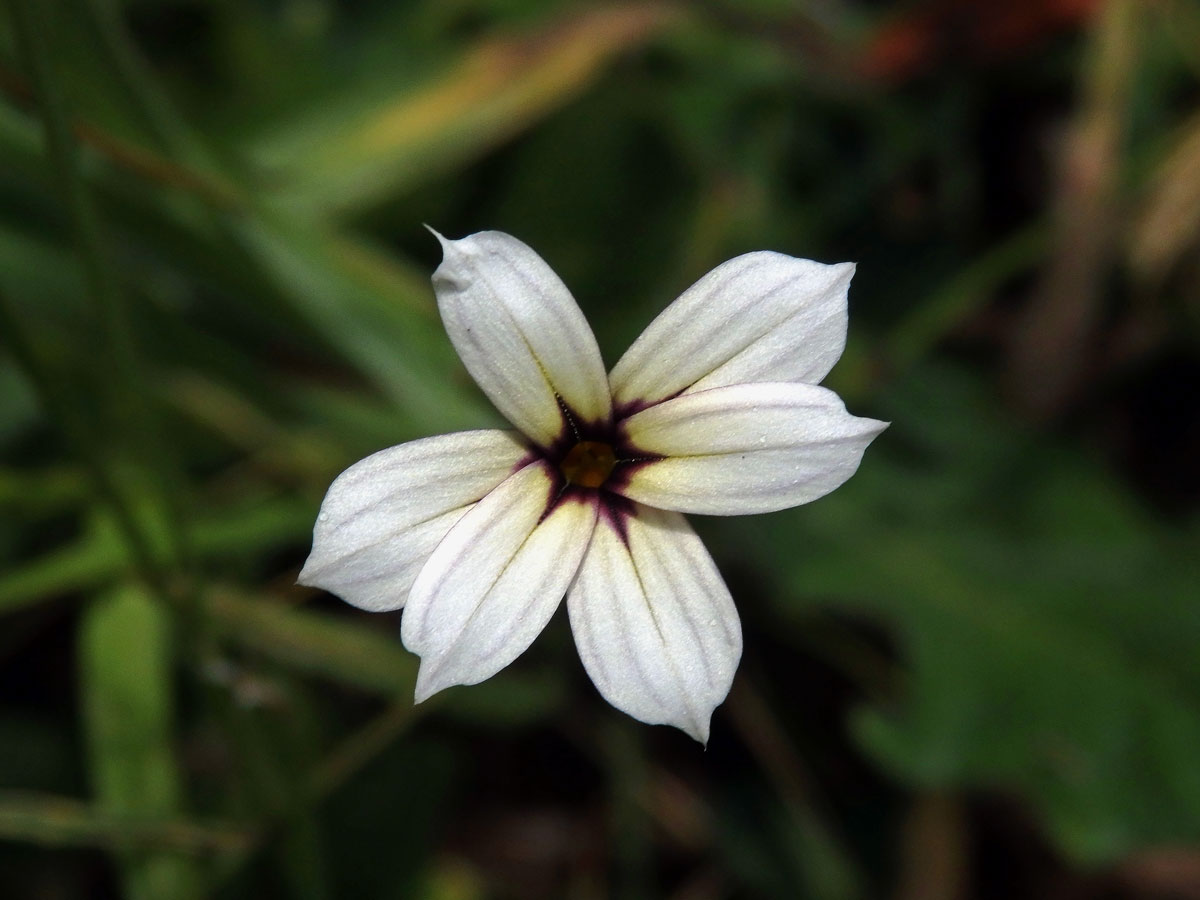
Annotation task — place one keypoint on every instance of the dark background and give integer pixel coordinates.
(972, 672)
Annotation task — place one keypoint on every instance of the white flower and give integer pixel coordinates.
(713, 410)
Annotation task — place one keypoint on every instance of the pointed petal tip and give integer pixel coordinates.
(449, 248)
(877, 427)
(845, 274)
(308, 574)
(698, 731)
(427, 684)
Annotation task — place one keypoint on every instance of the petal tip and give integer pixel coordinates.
(877, 427)
(437, 234)
(843, 274)
(449, 248)
(698, 731)
(309, 573)
(452, 248)
(428, 683)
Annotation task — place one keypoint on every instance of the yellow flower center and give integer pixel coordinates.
(588, 464)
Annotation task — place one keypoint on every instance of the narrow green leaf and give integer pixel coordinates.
(911, 339)
(257, 524)
(364, 657)
(53, 821)
(42, 491)
(377, 313)
(495, 91)
(125, 674)
(313, 642)
(97, 556)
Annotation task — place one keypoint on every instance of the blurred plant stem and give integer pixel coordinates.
(60, 406)
(275, 739)
(160, 116)
(151, 166)
(934, 849)
(296, 802)
(1050, 349)
(53, 821)
(918, 331)
(348, 160)
(1167, 231)
(123, 448)
(129, 710)
(826, 868)
(117, 346)
(126, 645)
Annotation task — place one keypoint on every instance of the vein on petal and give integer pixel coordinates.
(684, 610)
(448, 649)
(676, 675)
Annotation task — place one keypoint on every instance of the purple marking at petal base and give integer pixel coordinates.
(623, 411)
(617, 511)
(624, 470)
(531, 456)
(613, 507)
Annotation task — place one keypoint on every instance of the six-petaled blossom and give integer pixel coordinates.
(479, 535)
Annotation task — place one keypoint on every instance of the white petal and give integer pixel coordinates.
(493, 583)
(758, 317)
(653, 621)
(748, 448)
(520, 333)
(383, 516)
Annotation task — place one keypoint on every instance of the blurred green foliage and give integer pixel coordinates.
(214, 296)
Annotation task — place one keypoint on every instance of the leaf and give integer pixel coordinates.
(129, 712)
(312, 642)
(53, 821)
(518, 697)
(81, 564)
(234, 532)
(495, 91)
(364, 657)
(911, 339)
(377, 313)
(1169, 221)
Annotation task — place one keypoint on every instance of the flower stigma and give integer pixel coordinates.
(588, 464)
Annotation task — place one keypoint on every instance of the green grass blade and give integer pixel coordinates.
(49, 820)
(129, 711)
(498, 89)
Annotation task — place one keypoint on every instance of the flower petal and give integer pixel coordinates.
(490, 587)
(520, 333)
(382, 517)
(654, 623)
(747, 448)
(758, 317)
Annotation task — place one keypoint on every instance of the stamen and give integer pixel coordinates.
(588, 464)
(568, 415)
